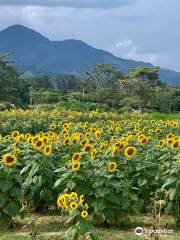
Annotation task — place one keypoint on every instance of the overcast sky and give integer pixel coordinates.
(146, 30)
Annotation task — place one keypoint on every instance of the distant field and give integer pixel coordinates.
(161, 116)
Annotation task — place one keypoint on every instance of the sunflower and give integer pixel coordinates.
(137, 128)
(84, 214)
(47, 150)
(110, 130)
(86, 206)
(45, 139)
(81, 199)
(130, 152)
(29, 140)
(170, 141)
(74, 196)
(76, 157)
(75, 166)
(115, 150)
(169, 136)
(53, 127)
(16, 151)
(60, 202)
(66, 141)
(73, 205)
(75, 139)
(9, 160)
(65, 132)
(144, 140)
(15, 134)
(66, 126)
(121, 145)
(38, 145)
(93, 154)
(140, 137)
(114, 138)
(158, 131)
(98, 134)
(87, 134)
(161, 143)
(175, 144)
(112, 167)
(88, 148)
(83, 143)
(21, 137)
(58, 148)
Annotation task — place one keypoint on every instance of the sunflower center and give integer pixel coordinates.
(39, 144)
(112, 166)
(130, 151)
(9, 159)
(76, 157)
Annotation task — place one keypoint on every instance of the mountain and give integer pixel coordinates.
(35, 53)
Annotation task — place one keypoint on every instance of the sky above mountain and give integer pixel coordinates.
(144, 30)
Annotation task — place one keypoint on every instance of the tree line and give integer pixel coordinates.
(103, 86)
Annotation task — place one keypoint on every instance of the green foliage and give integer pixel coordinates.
(103, 87)
(10, 195)
(172, 186)
(12, 87)
(38, 181)
(141, 82)
(101, 76)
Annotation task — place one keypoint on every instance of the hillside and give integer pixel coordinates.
(39, 55)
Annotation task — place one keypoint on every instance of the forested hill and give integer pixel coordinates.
(39, 55)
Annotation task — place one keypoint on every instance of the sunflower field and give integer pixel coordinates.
(94, 167)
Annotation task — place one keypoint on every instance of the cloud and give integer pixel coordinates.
(127, 49)
(145, 57)
(124, 44)
(127, 28)
(106, 4)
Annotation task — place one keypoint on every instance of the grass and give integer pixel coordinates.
(163, 116)
(52, 227)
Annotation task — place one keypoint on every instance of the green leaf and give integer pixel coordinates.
(172, 194)
(74, 213)
(83, 227)
(169, 208)
(114, 199)
(46, 195)
(60, 170)
(98, 205)
(169, 182)
(25, 169)
(71, 233)
(142, 182)
(12, 209)
(125, 205)
(110, 214)
(5, 222)
(61, 180)
(93, 235)
(5, 185)
(3, 199)
(16, 193)
(71, 185)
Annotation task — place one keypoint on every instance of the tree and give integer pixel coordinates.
(13, 88)
(66, 82)
(166, 99)
(43, 81)
(104, 76)
(141, 83)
